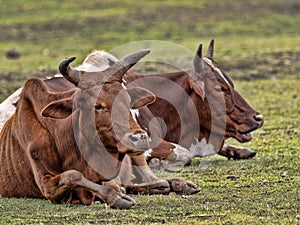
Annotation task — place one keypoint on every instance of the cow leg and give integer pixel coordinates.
(57, 188)
(138, 179)
(183, 187)
(125, 175)
(150, 184)
(145, 180)
(169, 155)
(234, 152)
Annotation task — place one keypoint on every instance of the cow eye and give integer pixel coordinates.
(218, 88)
(100, 107)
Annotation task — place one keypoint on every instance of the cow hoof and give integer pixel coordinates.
(159, 187)
(183, 187)
(242, 153)
(124, 202)
(247, 153)
(155, 163)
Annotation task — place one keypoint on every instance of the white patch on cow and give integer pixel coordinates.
(148, 153)
(183, 155)
(56, 75)
(135, 114)
(97, 61)
(7, 109)
(210, 63)
(89, 68)
(123, 86)
(201, 148)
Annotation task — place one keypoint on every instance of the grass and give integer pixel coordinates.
(257, 44)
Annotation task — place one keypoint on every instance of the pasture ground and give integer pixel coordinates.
(257, 44)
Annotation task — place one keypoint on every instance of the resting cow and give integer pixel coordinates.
(65, 145)
(199, 109)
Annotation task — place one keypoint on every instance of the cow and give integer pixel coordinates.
(198, 109)
(65, 146)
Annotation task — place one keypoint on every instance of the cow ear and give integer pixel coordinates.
(59, 109)
(198, 86)
(210, 51)
(140, 97)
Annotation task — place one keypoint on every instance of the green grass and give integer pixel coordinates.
(257, 44)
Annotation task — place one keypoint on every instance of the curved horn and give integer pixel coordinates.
(198, 64)
(210, 51)
(68, 72)
(130, 60)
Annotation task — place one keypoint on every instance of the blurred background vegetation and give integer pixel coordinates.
(254, 39)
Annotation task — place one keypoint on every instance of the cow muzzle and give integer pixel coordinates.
(244, 134)
(259, 120)
(135, 143)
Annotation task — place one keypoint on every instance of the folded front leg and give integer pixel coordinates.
(59, 187)
(183, 187)
(150, 184)
(55, 188)
(234, 152)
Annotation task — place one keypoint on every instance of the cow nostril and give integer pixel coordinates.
(258, 117)
(133, 138)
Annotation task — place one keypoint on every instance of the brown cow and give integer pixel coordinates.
(200, 104)
(65, 146)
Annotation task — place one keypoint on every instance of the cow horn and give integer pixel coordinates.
(210, 51)
(130, 60)
(198, 64)
(68, 72)
(118, 69)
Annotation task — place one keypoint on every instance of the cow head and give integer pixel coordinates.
(214, 88)
(99, 96)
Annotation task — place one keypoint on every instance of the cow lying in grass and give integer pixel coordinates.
(199, 104)
(75, 144)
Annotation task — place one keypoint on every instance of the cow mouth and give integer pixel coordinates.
(135, 151)
(241, 136)
(134, 148)
(134, 144)
(244, 136)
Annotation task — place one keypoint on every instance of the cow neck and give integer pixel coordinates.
(215, 139)
(119, 157)
(173, 122)
(106, 165)
(109, 167)
(113, 166)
